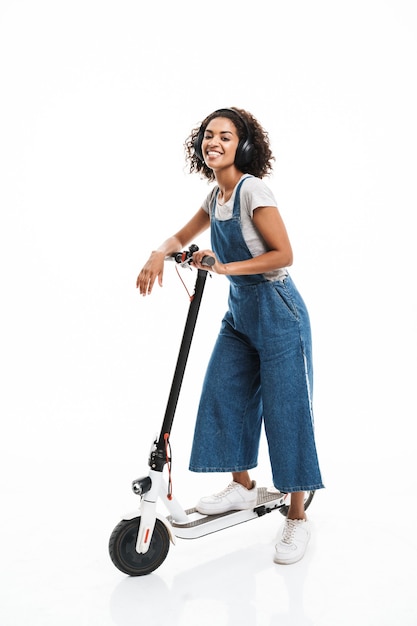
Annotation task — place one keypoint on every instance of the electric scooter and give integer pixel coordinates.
(140, 542)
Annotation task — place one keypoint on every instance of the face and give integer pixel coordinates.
(220, 143)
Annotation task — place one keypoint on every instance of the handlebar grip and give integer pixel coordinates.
(208, 260)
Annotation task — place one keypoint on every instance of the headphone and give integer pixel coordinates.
(245, 148)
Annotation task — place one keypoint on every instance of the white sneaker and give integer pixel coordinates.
(292, 541)
(234, 498)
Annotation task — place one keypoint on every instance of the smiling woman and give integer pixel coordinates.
(97, 98)
(260, 370)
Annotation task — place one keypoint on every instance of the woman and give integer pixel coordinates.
(261, 368)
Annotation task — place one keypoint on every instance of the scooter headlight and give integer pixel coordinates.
(140, 486)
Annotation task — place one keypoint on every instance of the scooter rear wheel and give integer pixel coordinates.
(308, 496)
(122, 548)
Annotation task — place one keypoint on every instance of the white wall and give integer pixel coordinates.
(96, 101)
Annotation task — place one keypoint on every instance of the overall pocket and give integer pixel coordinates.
(284, 295)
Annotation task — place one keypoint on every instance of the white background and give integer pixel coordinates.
(96, 101)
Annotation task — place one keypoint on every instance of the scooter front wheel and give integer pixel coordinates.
(122, 548)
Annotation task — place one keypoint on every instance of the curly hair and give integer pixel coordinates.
(260, 164)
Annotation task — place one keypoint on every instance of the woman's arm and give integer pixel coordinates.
(154, 267)
(271, 227)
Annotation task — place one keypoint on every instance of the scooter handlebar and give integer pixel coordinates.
(186, 257)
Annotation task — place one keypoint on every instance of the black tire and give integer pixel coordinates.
(122, 548)
(308, 496)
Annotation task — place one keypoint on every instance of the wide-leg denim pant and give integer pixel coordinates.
(260, 369)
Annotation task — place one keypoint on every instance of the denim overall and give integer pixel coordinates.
(260, 369)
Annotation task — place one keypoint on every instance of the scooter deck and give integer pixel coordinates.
(200, 525)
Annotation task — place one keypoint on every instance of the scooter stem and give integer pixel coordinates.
(157, 458)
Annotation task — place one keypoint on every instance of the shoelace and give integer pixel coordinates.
(228, 489)
(289, 530)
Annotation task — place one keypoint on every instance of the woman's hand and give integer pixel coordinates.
(154, 267)
(198, 256)
(152, 270)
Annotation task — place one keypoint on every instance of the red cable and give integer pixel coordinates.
(185, 286)
(168, 458)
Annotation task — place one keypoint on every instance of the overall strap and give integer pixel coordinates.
(236, 204)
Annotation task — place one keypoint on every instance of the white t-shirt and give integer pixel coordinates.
(254, 193)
